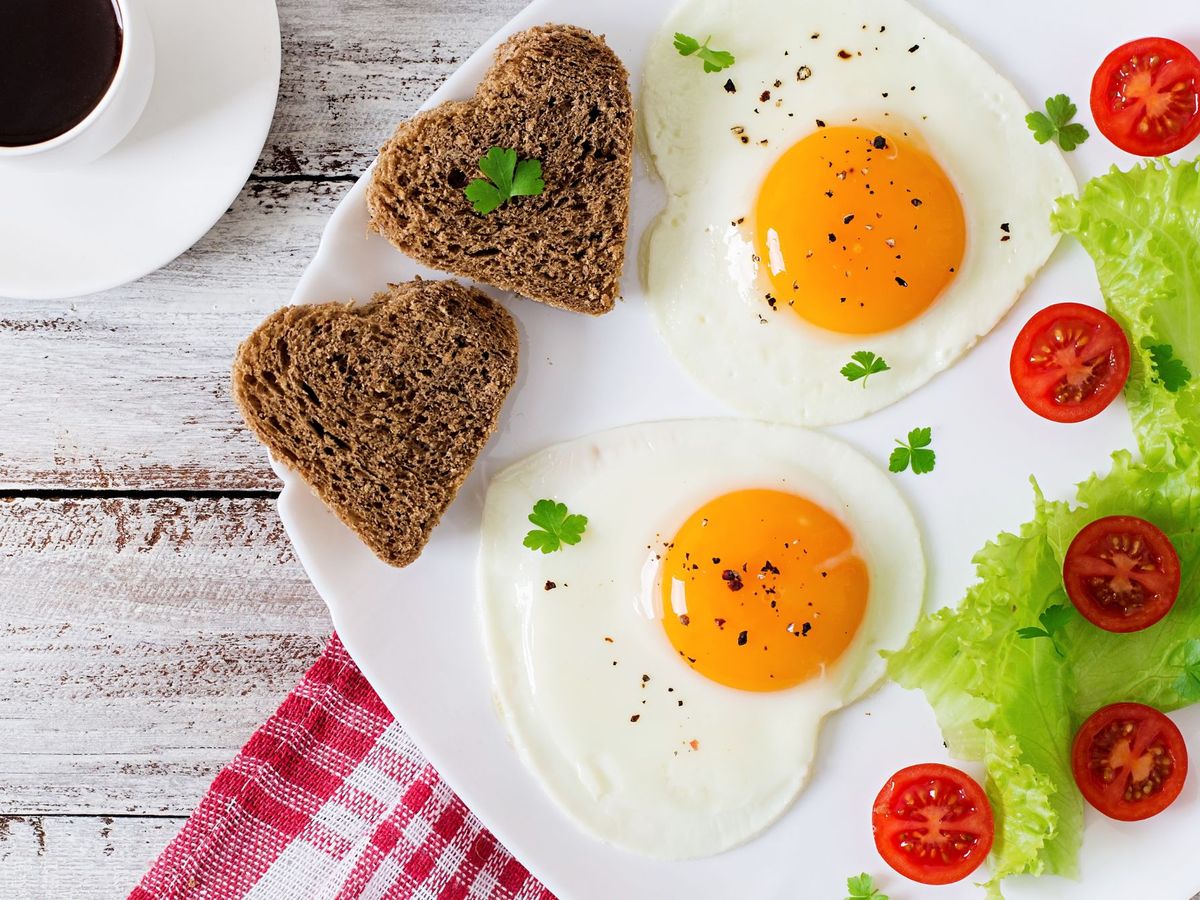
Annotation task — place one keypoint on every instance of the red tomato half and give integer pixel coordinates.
(932, 823)
(1129, 761)
(1146, 96)
(1122, 573)
(1069, 362)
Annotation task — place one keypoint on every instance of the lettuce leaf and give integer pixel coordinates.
(1015, 703)
(1142, 229)
(1149, 666)
(1004, 700)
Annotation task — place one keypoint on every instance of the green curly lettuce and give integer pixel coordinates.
(1142, 229)
(1004, 700)
(1013, 702)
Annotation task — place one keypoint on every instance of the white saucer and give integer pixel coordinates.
(93, 227)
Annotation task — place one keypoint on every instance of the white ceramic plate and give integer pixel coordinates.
(415, 632)
(96, 226)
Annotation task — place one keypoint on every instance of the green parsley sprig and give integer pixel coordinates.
(1054, 619)
(508, 179)
(714, 60)
(555, 527)
(863, 365)
(862, 887)
(916, 453)
(1056, 123)
(1169, 370)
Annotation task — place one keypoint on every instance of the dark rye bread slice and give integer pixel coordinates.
(557, 94)
(381, 408)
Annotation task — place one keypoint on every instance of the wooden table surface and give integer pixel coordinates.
(154, 611)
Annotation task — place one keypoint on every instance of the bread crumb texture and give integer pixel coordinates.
(382, 408)
(555, 93)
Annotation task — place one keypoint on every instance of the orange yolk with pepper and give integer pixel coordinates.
(859, 231)
(762, 590)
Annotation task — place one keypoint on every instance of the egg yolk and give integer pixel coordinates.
(762, 590)
(859, 230)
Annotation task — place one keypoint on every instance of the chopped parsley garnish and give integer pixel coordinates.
(555, 527)
(508, 179)
(714, 60)
(863, 365)
(1056, 123)
(862, 887)
(915, 453)
(1169, 370)
(1054, 619)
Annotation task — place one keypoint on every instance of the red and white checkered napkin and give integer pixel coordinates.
(331, 799)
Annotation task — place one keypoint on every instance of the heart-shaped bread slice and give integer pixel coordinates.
(381, 408)
(556, 94)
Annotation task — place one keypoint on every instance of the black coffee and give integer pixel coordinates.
(57, 58)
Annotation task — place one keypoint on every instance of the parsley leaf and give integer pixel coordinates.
(1056, 123)
(508, 179)
(555, 527)
(864, 364)
(714, 60)
(915, 453)
(1054, 619)
(1042, 127)
(861, 887)
(1071, 136)
(1169, 371)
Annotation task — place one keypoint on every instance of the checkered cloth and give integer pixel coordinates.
(331, 799)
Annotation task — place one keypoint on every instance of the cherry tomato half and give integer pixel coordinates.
(1146, 96)
(1129, 761)
(932, 823)
(1122, 573)
(1069, 362)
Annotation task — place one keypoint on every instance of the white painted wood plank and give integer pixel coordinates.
(143, 642)
(130, 389)
(353, 68)
(88, 858)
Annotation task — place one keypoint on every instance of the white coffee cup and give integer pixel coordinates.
(113, 116)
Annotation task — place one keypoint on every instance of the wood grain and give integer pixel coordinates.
(129, 390)
(77, 857)
(143, 641)
(353, 68)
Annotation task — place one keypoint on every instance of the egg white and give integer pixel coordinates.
(641, 784)
(702, 280)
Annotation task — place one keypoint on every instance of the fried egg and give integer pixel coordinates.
(666, 677)
(858, 180)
